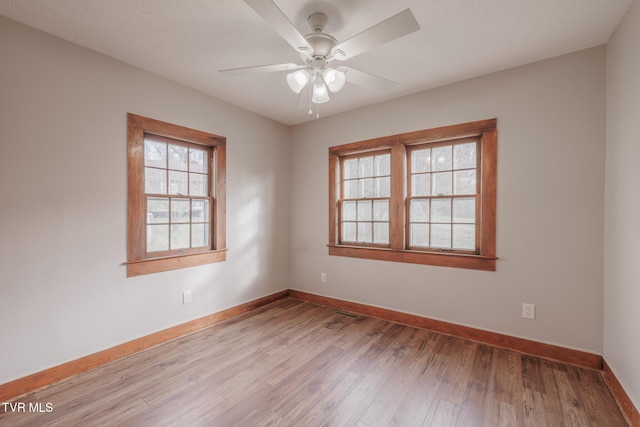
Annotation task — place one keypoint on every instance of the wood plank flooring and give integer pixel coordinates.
(293, 363)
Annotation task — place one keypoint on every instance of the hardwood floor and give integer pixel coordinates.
(293, 363)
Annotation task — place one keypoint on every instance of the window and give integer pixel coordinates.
(365, 201)
(176, 196)
(425, 197)
(442, 196)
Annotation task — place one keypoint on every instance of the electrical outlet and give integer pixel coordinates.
(186, 297)
(323, 277)
(528, 311)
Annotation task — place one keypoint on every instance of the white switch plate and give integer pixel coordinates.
(186, 297)
(323, 277)
(529, 311)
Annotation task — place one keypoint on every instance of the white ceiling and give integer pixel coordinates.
(188, 41)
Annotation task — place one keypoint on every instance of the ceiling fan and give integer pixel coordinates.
(315, 79)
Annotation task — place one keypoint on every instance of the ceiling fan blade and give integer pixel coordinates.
(367, 80)
(268, 10)
(390, 29)
(245, 71)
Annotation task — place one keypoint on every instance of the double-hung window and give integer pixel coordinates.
(443, 192)
(425, 197)
(176, 196)
(365, 202)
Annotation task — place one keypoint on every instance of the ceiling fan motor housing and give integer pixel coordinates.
(320, 42)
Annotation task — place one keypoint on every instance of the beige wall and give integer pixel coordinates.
(63, 290)
(551, 124)
(622, 205)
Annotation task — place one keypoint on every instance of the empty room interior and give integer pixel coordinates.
(319, 212)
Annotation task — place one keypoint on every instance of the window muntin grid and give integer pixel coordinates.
(443, 196)
(177, 195)
(365, 193)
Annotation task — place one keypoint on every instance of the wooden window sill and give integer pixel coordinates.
(444, 259)
(174, 262)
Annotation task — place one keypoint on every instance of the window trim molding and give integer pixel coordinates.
(138, 263)
(487, 132)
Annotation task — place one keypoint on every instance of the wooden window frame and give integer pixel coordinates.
(484, 258)
(140, 262)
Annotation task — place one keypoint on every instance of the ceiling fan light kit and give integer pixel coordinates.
(324, 80)
(320, 93)
(334, 78)
(298, 80)
(318, 49)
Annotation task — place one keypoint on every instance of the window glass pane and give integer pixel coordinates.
(157, 210)
(382, 187)
(464, 156)
(383, 165)
(348, 211)
(419, 211)
(200, 210)
(442, 184)
(199, 235)
(464, 182)
(441, 158)
(420, 185)
(348, 231)
(351, 189)
(464, 210)
(364, 210)
(366, 167)
(419, 235)
(421, 160)
(178, 183)
(155, 153)
(381, 233)
(197, 160)
(440, 210)
(364, 232)
(441, 236)
(180, 236)
(464, 236)
(381, 210)
(157, 238)
(366, 187)
(197, 184)
(155, 181)
(350, 168)
(177, 157)
(180, 211)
